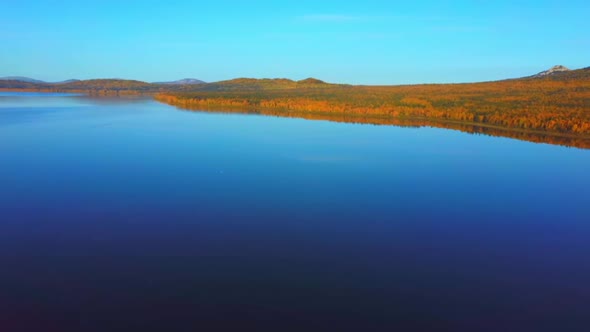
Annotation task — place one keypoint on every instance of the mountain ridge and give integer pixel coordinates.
(555, 72)
(558, 73)
(184, 81)
(21, 79)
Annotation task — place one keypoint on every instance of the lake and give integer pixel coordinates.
(128, 214)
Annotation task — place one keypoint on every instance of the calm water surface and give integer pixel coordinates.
(127, 214)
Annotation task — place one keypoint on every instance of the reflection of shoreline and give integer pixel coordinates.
(568, 140)
(555, 138)
(88, 92)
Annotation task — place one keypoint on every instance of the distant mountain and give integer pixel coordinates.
(67, 81)
(101, 86)
(21, 79)
(552, 70)
(184, 81)
(32, 80)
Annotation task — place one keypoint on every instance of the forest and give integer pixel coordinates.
(557, 104)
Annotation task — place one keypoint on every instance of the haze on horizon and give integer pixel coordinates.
(370, 42)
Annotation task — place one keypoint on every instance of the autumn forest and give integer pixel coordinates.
(557, 105)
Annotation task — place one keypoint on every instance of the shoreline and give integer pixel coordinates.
(531, 135)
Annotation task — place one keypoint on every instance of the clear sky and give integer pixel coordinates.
(358, 42)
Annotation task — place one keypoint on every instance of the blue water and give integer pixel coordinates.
(131, 215)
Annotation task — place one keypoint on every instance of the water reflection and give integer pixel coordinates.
(113, 100)
(123, 214)
(530, 136)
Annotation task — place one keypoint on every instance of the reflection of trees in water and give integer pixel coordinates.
(530, 136)
(114, 99)
(550, 105)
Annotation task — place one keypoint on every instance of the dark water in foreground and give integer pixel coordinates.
(129, 215)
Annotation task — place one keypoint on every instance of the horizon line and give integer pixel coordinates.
(7, 78)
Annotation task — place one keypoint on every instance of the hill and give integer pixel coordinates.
(183, 81)
(21, 79)
(32, 80)
(311, 81)
(106, 84)
(18, 84)
(565, 75)
(557, 103)
(94, 86)
(253, 84)
(250, 84)
(66, 81)
(553, 70)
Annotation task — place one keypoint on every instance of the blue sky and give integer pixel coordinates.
(368, 42)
